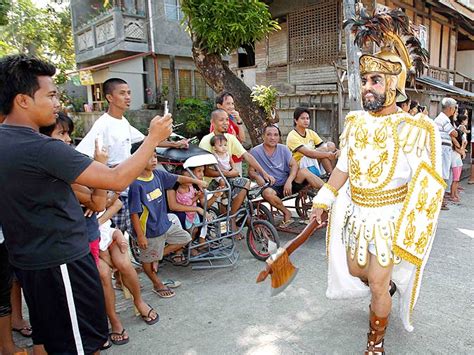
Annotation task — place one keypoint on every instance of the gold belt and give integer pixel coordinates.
(379, 198)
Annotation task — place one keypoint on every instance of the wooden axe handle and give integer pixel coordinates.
(296, 242)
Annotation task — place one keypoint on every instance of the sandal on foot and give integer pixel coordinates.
(25, 331)
(122, 341)
(164, 292)
(106, 345)
(179, 260)
(286, 224)
(150, 320)
(172, 283)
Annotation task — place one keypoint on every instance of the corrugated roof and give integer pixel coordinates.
(445, 86)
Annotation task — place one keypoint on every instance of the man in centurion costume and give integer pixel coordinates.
(385, 194)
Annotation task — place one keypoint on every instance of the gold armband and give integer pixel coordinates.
(323, 206)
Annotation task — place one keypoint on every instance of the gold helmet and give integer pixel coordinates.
(396, 60)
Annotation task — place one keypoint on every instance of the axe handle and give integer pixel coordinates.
(296, 242)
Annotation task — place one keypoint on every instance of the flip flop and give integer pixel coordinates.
(23, 331)
(160, 292)
(151, 321)
(106, 345)
(172, 283)
(179, 260)
(119, 342)
(285, 224)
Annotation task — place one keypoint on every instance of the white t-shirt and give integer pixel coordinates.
(116, 134)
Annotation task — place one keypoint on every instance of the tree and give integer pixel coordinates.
(43, 32)
(218, 27)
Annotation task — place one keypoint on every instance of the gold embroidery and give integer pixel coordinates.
(422, 195)
(354, 167)
(380, 198)
(332, 189)
(362, 137)
(433, 206)
(422, 241)
(376, 168)
(321, 205)
(410, 231)
(380, 136)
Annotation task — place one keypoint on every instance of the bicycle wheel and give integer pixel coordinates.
(263, 213)
(258, 235)
(134, 249)
(303, 205)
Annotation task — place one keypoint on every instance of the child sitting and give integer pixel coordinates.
(184, 199)
(150, 222)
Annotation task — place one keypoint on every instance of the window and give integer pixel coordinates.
(173, 10)
(165, 79)
(199, 86)
(313, 33)
(184, 84)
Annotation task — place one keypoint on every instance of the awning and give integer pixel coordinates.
(445, 86)
(106, 64)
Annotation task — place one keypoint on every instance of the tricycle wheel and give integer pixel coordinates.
(258, 235)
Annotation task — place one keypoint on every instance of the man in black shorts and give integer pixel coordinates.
(276, 160)
(43, 224)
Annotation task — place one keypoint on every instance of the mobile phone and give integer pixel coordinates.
(166, 111)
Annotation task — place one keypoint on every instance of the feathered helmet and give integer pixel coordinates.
(401, 54)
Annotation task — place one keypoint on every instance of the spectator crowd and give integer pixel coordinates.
(67, 212)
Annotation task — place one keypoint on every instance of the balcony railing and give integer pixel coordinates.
(451, 77)
(112, 31)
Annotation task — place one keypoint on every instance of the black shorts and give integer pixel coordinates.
(295, 188)
(5, 282)
(66, 306)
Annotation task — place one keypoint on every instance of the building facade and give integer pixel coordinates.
(140, 41)
(306, 59)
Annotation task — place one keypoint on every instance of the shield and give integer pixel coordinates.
(416, 226)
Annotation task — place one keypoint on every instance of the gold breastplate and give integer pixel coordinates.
(372, 152)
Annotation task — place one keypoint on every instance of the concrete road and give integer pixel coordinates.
(225, 312)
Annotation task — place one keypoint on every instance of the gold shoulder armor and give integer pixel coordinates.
(417, 134)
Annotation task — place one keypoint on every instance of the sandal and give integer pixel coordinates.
(122, 341)
(179, 260)
(171, 283)
(106, 345)
(286, 224)
(25, 331)
(164, 292)
(150, 320)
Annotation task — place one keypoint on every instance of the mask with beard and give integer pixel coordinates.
(376, 104)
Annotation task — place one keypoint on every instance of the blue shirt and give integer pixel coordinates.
(277, 164)
(147, 198)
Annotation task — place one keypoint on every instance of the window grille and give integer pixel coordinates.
(313, 33)
(199, 86)
(185, 86)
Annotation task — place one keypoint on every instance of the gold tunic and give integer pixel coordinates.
(379, 153)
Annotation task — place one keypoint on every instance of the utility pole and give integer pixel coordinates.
(352, 55)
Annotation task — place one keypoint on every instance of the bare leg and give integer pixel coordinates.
(155, 280)
(379, 279)
(129, 277)
(306, 175)
(7, 346)
(362, 272)
(104, 266)
(17, 313)
(271, 196)
(237, 202)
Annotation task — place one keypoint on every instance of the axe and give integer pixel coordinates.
(279, 266)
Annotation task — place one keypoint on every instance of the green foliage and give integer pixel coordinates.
(42, 32)
(221, 26)
(265, 96)
(4, 6)
(194, 114)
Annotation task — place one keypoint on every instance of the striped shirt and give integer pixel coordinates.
(445, 128)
